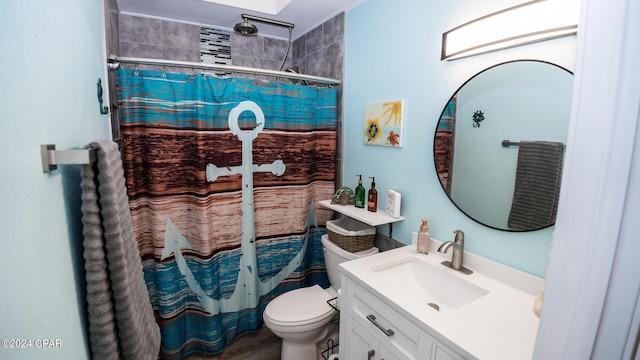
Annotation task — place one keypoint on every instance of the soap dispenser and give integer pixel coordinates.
(359, 203)
(423, 237)
(372, 196)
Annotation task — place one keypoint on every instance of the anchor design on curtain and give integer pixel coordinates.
(248, 288)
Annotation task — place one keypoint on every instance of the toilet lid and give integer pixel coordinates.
(300, 307)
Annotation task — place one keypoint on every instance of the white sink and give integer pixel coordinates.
(438, 286)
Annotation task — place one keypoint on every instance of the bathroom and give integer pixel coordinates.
(53, 58)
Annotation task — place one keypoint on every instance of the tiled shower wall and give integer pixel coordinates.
(319, 52)
(145, 37)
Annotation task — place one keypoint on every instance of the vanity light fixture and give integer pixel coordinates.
(522, 24)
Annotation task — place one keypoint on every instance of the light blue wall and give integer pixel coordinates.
(392, 53)
(52, 57)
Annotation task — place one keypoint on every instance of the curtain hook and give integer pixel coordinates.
(103, 109)
(135, 70)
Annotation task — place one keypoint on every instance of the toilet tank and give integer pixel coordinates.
(334, 255)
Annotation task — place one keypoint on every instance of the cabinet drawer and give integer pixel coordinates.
(380, 319)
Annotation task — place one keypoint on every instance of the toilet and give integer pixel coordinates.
(301, 317)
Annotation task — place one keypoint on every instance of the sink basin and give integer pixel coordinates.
(439, 288)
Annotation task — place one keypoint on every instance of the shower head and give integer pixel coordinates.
(296, 70)
(246, 29)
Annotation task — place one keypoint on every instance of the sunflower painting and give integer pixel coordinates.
(383, 123)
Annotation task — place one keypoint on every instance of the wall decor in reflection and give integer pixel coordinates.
(383, 123)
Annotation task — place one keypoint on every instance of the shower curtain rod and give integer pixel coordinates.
(114, 63)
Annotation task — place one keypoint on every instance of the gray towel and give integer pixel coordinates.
(538, 175)
(121, 320)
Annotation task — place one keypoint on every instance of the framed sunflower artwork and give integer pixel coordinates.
(383, 123)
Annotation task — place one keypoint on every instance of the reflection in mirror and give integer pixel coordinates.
(512, 187)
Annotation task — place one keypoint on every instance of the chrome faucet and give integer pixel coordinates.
(458, 252)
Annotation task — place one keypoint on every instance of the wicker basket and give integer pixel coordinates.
(351, 235)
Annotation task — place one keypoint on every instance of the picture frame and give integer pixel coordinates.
(383, 123)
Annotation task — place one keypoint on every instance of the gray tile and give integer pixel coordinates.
(274, 49)
(314, 64)
(180, 35)
(247, 61)
(170, 53)
(333, 61)
(140, 50)
(136, 29)
(111, 24)
(333, 30)
(298, 48)
(271, 64)
(287, 64)
(246, 46)
(313, 40)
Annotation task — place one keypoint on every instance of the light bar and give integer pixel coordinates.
(527, 23)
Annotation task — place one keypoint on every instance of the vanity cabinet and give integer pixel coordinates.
(371, 330)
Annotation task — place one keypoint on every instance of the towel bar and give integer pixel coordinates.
(507, 143)
(51, 157)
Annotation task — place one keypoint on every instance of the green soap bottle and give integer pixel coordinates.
(359, 203)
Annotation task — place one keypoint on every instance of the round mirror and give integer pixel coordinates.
(498, 146)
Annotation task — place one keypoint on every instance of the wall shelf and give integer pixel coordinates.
(379, 217)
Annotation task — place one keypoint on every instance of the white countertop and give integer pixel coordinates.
(498, 325)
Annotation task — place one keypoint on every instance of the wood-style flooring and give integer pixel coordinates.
(261, 345)
(264, 345)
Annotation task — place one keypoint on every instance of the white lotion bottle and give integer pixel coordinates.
(423, 237)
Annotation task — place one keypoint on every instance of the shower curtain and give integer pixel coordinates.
(224, 178)
(444, 144)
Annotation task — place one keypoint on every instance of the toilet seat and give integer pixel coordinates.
(299, 307)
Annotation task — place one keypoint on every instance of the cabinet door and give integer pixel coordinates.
(387, 354)
(359, 344)
(441, 354)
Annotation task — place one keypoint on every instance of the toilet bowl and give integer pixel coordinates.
(301, 317)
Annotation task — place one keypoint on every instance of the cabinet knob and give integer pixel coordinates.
(371, 354)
